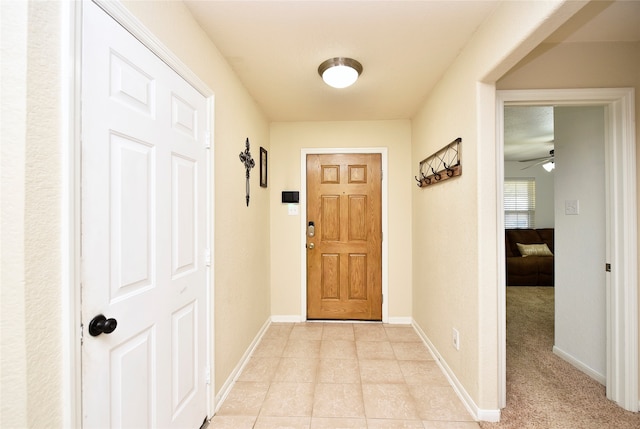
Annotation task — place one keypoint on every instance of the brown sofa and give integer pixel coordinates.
(529, 270)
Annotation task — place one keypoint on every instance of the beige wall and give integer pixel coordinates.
(241, 269)
(43, 220)
(454, 231)
(31, 220)
(580, 65)
(16, 338)
(287, 139)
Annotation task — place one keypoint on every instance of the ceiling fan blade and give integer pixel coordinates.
(540, 162)
(533, 159)
(547, 157)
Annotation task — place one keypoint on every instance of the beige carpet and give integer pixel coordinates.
(544, 391)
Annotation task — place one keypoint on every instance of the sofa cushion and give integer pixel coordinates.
(526, 236)
(534, 249)
(546, 234)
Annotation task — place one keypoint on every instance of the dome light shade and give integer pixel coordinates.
(340, 72)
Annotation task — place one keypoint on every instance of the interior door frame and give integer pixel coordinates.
(303, 222)
(71, 199)
(621, 230)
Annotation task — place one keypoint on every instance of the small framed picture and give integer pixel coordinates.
(263, 167)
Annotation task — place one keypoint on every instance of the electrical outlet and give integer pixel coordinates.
(456, 339)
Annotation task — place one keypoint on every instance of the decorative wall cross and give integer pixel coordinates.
(249, 163)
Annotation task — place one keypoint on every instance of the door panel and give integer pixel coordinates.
(344, 257)
(131, 236)
(184, 352)
(132, 375)
(143, 235)
(184, 211)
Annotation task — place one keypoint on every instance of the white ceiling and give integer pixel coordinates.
(405, 46)
(602, 21)
(275, 47)
(528, 132)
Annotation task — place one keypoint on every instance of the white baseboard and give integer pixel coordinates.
(231, 380)
(600, 378)
(298, 319)
(488, 415)
(400, 320)
(287, 319)
(470, 405)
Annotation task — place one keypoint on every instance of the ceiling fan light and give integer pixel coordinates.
(549, 166)
(340, 72)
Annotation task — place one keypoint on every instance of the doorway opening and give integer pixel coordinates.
(621, 229)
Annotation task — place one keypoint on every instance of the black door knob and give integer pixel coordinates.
(101, 324)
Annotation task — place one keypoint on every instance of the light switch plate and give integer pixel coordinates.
(571, 207)
(293, 209)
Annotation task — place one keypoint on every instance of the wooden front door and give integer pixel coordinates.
(344, 254)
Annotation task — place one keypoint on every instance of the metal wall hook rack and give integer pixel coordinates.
(442, 165)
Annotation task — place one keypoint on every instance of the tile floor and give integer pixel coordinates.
(320, 375)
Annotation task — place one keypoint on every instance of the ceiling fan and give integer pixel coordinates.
(546, 161)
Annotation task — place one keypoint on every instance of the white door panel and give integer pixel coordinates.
(143, 235)
(184, 211)
(132, 374)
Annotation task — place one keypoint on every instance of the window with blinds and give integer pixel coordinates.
(520, 202)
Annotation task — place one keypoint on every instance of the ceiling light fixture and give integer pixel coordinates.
(549, 166)
(340, 72)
